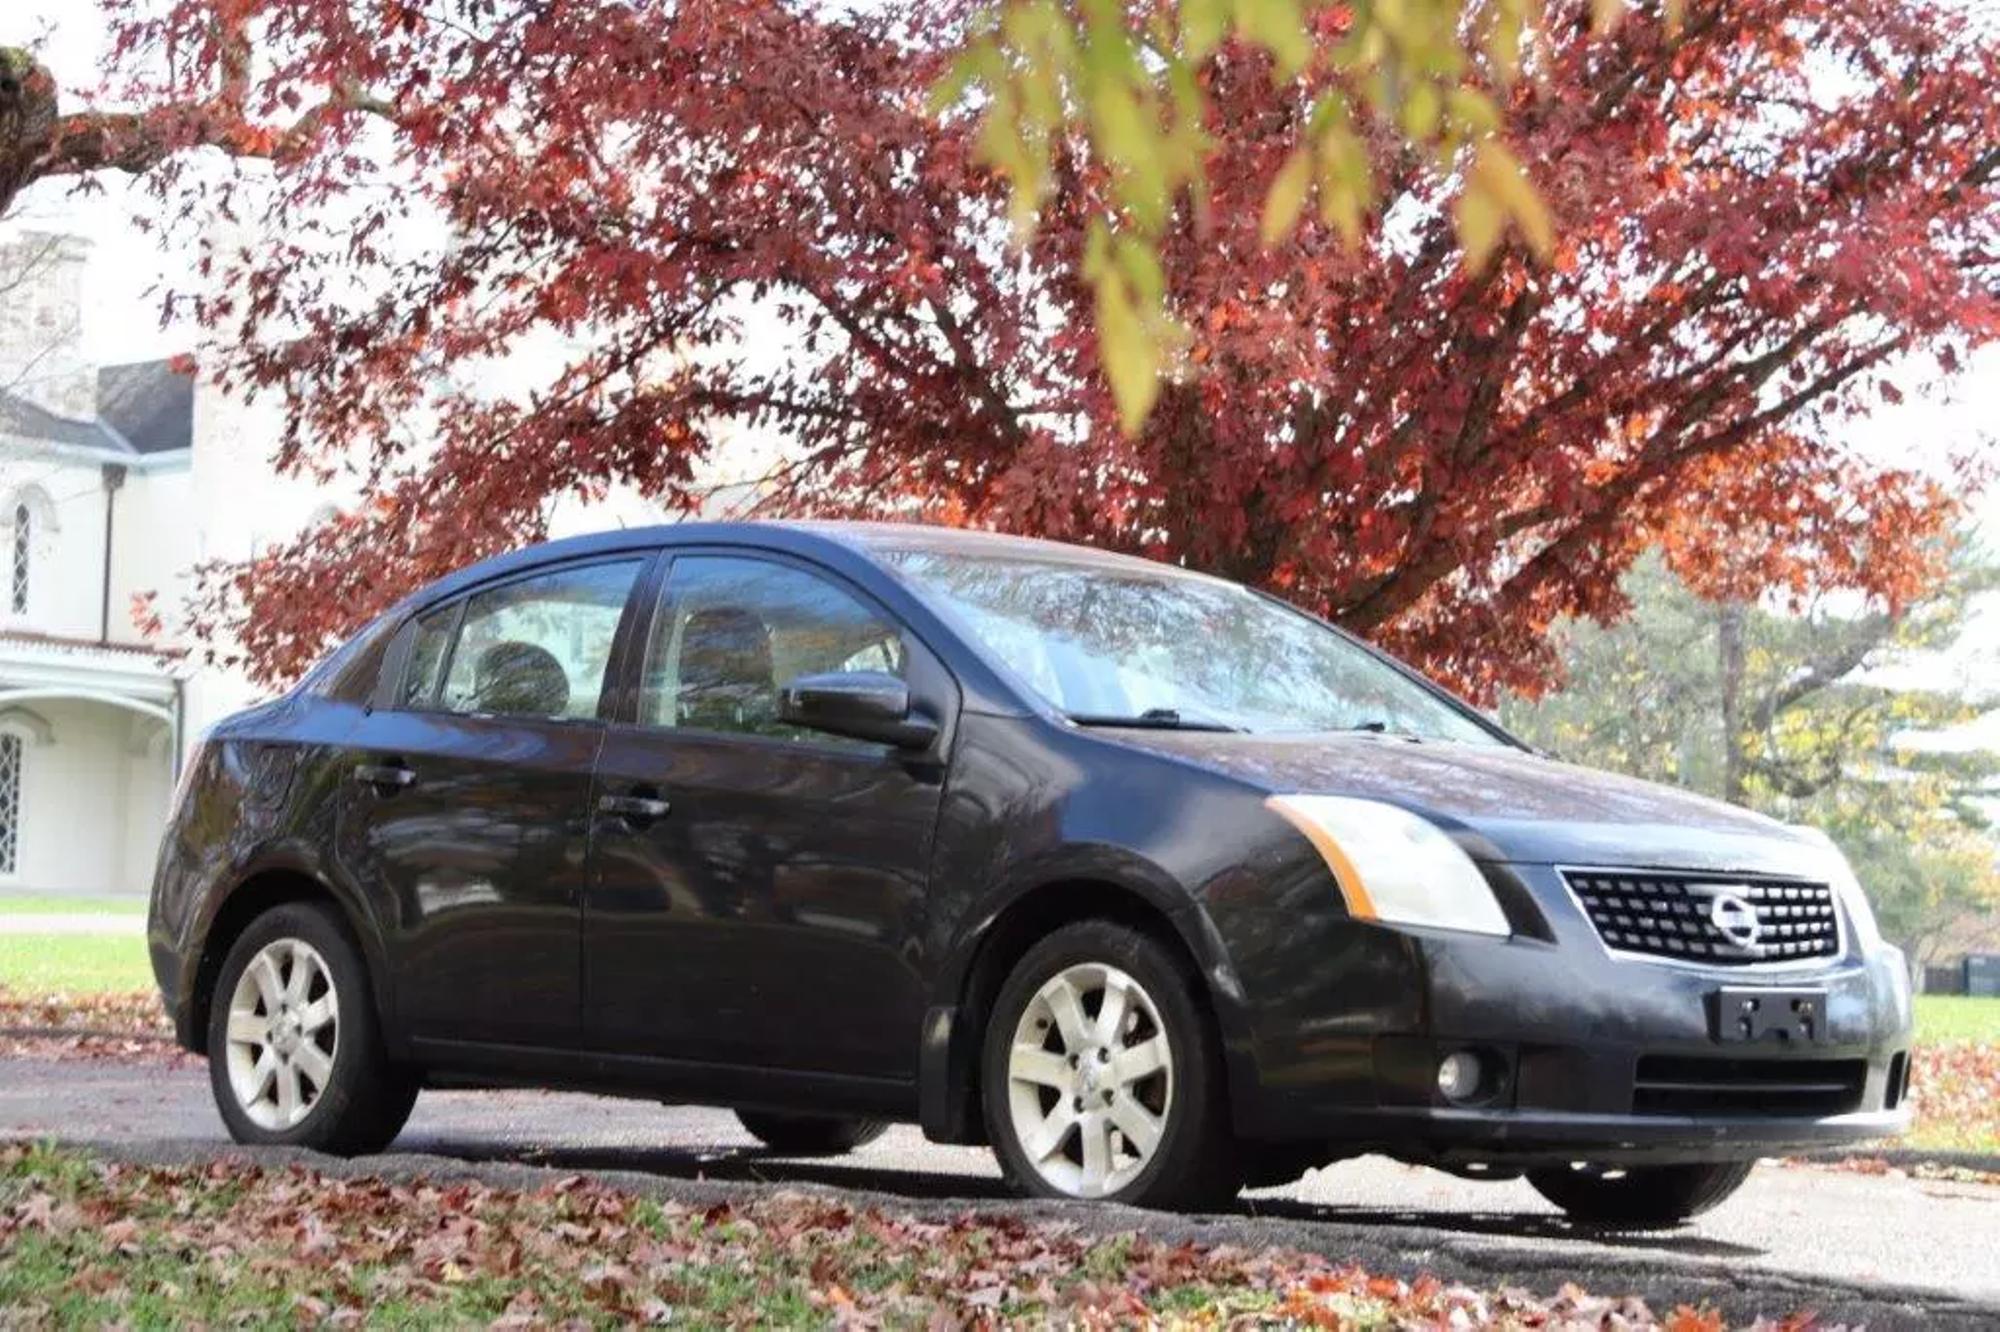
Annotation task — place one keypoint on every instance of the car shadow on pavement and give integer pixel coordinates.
(737, 1164)
(1516, 1225)
(733, 1164)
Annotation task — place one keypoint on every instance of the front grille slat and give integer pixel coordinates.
(1672, 916)
(1677, 1085)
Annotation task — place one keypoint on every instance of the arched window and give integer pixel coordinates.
(11, 751)
(24, 540)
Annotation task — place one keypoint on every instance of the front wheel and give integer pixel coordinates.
(295, 1055)
(1643, 1197)
(1102, 1075)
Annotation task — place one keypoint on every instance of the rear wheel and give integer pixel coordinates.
(1102, 1076)
(1642, 1196)
(295, 1055)
(811, 1135)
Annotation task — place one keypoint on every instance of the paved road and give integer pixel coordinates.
(1888, 1250)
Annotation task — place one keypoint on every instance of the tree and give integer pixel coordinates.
(1125, 83)
(1751, 236)
(1803, 716)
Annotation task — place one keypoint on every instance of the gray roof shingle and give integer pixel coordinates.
(145, 408)
(150, 403)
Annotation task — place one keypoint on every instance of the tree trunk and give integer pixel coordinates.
(27, 120)
(1729, 649)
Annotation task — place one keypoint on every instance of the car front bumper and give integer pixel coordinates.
(1587, 1054)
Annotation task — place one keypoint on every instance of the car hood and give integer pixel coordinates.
(1505, 803)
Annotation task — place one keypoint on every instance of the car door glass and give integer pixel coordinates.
(420, 678)
(732, 632)
(539, 646)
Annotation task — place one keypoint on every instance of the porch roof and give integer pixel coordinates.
(52, 666)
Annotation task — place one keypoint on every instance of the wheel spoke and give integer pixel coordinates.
(289, 1098)
(261, 1074)
(1066, 1006)
(1139, 1062)
(248, 1029)
(318, 1013)
(270, 985)
(313, 1062)
(1096, 1155)
(304, 970)
(1044, 1068)
(1049, 1134)
(1141, 1127)
(1111, 1016)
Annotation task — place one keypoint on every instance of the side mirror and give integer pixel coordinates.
(862, 705)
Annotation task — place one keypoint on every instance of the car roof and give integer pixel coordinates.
(868, 539)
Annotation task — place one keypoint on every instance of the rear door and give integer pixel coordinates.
(757, 890)
(467, 801)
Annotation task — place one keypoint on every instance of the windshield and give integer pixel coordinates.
(1111, 645)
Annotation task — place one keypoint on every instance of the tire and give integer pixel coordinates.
(329, 1087)
(1644, 1197)
(811, 1135)
(1270, 1164)
(1102, 1149)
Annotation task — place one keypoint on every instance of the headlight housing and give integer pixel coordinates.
(1846, 884)
(1393, 866)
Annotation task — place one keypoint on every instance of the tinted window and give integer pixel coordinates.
(420, 677)
(538, 647)
(732, 631)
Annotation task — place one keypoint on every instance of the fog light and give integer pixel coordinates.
(1458, 1076)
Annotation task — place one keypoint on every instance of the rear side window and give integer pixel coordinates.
(427, 653)
(535, 647)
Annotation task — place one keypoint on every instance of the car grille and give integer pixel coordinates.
(1673, 916)
(1674, 1085)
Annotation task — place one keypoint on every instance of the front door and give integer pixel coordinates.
(757, 890)
(468, 803)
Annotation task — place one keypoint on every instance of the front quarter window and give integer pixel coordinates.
(1104, 641)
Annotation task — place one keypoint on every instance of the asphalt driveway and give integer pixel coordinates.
(1888, 1250)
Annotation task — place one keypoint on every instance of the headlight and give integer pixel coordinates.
(1847, 887)
(1393, 866)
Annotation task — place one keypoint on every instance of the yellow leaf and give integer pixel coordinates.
(1287, 197)
(1202, 24)
(1504, 179)
(1131, 358)
(1421, 106)
(1479, 223)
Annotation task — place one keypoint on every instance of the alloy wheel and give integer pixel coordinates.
(284, 1031)
(1090, 1080)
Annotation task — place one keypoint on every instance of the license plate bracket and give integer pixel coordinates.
(1756, 1015)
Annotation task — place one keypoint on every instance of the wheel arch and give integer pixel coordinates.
(254, 893)
(948, 1060)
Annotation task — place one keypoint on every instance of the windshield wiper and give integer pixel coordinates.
(1378, 727)
(1158, 719)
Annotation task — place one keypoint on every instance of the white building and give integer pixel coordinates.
(117, 481)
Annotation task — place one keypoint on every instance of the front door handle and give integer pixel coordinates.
(634, 809)
(386, 775)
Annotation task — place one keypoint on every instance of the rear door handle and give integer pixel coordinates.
(384, 774)
(634, 808)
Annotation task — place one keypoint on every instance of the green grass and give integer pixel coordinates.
(1957, 1017)
(74, 963)
(54, 904)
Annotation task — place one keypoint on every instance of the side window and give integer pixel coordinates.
(420, 677)
(538, 647)
(732, 631)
